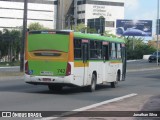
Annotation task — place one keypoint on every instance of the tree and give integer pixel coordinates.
(82, 28)
(10, 43)
(16, 38)
(37, 26)
(91, 30)
(108, 34)
(140, 48)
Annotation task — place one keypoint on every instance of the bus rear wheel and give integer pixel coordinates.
(115, 83)
(55, 87)
(92, 87)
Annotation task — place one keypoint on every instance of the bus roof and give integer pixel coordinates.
(82, 35)
(97, 37)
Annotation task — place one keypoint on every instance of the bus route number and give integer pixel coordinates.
(61, 71)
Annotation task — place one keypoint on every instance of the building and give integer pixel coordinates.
(111, 10)
(58, 14)
(154, 42)
(42, 11)
(64, 10)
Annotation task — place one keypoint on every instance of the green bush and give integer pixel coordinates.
(5, 64)
(140, 48)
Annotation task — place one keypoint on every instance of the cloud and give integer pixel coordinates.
(132, 5)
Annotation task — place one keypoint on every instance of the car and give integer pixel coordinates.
(153, 57)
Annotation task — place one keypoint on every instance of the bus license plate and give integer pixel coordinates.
(48, 73)
(46, 79)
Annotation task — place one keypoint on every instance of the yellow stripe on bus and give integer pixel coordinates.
(81, 64)
(71, 48)
(115, 62)
(62, 58)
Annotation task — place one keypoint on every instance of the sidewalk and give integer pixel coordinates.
(136, 103)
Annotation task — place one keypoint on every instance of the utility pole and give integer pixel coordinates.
(23, 35)
(62, 16)
(157, 30)
(75, 13)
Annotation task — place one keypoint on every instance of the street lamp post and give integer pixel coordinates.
(157, 30)
(23, 36)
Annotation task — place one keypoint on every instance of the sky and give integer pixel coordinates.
(141, 10)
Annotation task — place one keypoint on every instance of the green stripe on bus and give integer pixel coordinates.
(97, 37)
(57, 68)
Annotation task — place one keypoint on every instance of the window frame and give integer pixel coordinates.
(95, 49)
(117, 51)
(80, 48)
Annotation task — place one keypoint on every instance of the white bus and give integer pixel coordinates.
(58, 59)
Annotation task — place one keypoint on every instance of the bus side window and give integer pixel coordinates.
(99, 50)
(105, 52)
(85, 52)
(113, 51)
(95, 49)
(77, 49)
(118, 51)
(92, 49)
(110, 49)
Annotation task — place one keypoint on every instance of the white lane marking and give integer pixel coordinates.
(105, 102)
(92, 106)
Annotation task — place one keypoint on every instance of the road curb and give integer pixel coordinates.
(144, 69)
(9, 78)
(10, 67)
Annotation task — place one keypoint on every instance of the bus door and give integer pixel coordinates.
(85, 56)
(124, 63)
(105, 61)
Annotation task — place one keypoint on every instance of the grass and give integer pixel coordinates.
(10, 73)
(6, 74)
(6, 64)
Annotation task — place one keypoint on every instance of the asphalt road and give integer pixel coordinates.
(15, 95)
(140, 64)
(136, 64)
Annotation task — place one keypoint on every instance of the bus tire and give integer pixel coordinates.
(55, 87)
(115, 83)
(92, 87)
